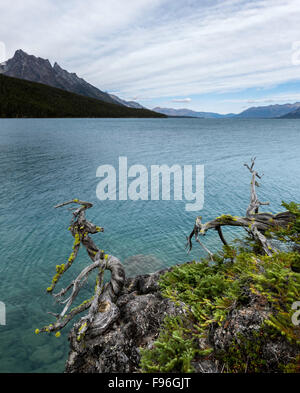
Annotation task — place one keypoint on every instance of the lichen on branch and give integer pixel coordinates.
(81, 229)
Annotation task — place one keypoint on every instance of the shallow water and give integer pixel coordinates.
(45, 162)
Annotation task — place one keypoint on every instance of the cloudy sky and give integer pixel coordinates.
(220, 56)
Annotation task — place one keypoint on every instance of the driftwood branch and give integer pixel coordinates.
(221, 236)
(81, 229)
(256, 223)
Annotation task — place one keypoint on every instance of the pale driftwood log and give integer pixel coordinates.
(255, 222)
(104, 295)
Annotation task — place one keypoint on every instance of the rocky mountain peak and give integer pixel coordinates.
(57, 67)
(20, 53)
(36, 69)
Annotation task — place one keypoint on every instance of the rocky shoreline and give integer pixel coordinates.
(142, 309)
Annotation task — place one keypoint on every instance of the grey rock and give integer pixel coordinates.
(142, 310)
(246, 324)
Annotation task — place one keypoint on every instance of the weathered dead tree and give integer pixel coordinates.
(255, 223)
(102, 310)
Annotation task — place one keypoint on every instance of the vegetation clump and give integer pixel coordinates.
(210, 292)
(239, 303)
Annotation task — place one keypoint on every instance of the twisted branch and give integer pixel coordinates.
(80, 229)
(254, 222)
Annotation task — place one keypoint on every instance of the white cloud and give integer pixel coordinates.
(181, 100)
(155, 48)
(291, 97)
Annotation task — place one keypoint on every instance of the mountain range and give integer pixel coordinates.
(269, 111)
(259, 112)
(37, 69)
(295, 114)
(190, 113)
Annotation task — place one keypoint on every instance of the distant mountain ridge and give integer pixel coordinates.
(295, 114)
(259, 112)
(129, 104)
(190, 113)
(37, 69)
(269, 111)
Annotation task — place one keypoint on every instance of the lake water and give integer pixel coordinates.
(45, 162)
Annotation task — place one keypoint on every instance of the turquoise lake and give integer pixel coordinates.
(44, 162)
